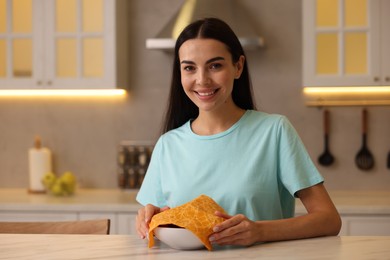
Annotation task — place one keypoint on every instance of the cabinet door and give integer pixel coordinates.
(80, 38)
(20, 43)
(341, 44)
(368, 226)
(37, 216)
(101, 215)
(126, 223)
(385, 8)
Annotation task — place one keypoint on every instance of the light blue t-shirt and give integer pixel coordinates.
(253, 168)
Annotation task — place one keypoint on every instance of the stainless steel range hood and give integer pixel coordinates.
(191, 10)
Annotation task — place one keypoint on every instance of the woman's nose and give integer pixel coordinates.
(202, 78)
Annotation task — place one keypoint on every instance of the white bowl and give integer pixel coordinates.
(178, 238)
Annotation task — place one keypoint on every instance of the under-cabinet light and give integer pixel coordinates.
(347, 90)
(62, 92)
(347, 96)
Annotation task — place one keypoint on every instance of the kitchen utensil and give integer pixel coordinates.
(178, 238)
(326, 158)
(364, 159)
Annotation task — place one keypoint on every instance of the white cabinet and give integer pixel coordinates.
(346, 43)
(57, 44)
(126, 223)
(366, 225)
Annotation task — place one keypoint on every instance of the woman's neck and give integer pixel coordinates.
(214, 122)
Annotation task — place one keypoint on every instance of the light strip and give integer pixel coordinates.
(62, 92)
(347, 90)
(347, 96)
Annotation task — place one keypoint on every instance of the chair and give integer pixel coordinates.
(98, 226)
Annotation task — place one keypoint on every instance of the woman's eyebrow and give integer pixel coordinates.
(207, 62)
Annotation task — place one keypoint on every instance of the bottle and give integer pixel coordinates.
(39, 164)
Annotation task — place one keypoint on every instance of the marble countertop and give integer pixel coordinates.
(347, 202)
(27, 246)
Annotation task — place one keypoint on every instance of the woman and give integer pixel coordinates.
(214, 142)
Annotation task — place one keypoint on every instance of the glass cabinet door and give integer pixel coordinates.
(57, 44)
(19, 37)
(341, 43)
(78, 44)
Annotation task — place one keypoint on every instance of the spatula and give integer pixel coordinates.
(326, 158)
(364, 159)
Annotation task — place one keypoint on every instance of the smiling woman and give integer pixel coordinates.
(215, 143)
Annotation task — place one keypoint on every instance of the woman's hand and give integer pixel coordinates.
(235, 230)
(144, 217)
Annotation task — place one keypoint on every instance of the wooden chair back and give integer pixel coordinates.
(98, 226)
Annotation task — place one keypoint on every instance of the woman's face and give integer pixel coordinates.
(208, 73)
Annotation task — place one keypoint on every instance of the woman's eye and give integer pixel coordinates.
(189, 68)
(215, 66)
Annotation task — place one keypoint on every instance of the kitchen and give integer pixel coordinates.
(84, 133)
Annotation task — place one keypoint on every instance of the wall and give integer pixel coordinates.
(84, 134)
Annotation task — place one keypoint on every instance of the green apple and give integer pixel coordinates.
(57, 188)
(68, 180)
(48, 180)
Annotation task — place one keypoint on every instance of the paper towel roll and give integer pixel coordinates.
(39, 165)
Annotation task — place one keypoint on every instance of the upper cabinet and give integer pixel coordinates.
(346, 42)
(54, 44)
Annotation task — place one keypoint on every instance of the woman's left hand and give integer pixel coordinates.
(235, 230)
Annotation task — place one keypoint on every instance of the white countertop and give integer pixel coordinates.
(22, 246)
(347, 202)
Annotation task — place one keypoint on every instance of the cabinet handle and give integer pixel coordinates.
(39, 82)
(387, 78)
(376, 79)
(49, 82)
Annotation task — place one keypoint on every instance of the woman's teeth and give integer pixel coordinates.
(205, 94)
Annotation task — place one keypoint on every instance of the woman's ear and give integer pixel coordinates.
(239, 66)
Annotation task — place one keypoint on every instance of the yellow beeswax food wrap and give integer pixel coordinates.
(198, 216)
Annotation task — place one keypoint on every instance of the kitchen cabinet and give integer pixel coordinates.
(59, 44)
(126, 223)
(366, 225)
(346, 43)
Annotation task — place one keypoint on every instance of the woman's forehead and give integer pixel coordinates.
(202, 49)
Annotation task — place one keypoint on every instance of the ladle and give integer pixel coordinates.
(326, 158)
(364, 159)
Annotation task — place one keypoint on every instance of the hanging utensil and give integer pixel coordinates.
(326, 158)
(364, 159)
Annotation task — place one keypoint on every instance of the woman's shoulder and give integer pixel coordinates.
(264, 117)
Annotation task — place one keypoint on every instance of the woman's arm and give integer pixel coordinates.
(322, 219)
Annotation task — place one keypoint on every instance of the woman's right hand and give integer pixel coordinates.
(144, 217)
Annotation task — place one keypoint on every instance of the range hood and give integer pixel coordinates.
(192, 10)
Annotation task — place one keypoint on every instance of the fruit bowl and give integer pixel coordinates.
(178, 238)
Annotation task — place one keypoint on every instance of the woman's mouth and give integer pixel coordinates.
(205, 94)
